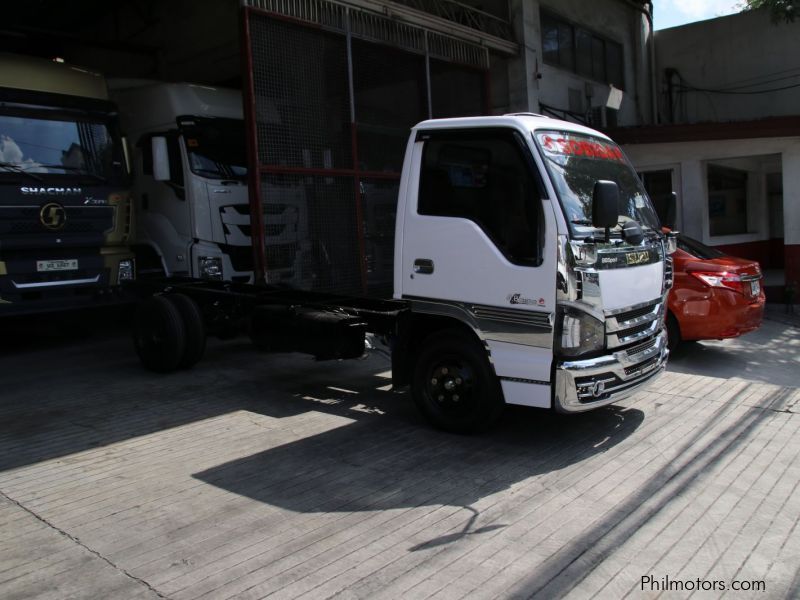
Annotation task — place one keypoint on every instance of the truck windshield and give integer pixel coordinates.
(575, 162)
(216, 147)
(58, 148)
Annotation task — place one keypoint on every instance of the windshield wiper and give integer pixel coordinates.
(586, 222)
(78, 170)
(14, 168)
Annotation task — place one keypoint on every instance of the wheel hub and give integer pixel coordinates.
(451, 385)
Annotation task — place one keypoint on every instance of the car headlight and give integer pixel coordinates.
(127, 270)
(578, 332)
(210, 267)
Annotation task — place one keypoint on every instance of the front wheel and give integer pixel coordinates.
(453, 384)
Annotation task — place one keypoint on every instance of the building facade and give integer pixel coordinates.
(729, 142)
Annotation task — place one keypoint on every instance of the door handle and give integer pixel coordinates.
(423, 266)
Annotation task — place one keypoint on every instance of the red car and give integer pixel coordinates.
(714, 296)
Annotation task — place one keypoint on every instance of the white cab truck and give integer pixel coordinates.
(190, 179)
(529, 268)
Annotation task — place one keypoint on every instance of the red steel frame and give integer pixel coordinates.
(256, 169)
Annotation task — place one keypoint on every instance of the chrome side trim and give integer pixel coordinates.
(532, 318)
(43, 284)
(529, 381)
(491, 323)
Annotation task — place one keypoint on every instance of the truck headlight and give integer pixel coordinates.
(127, 270)
(210, 267)
(578, 332)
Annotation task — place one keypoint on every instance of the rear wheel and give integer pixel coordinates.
(673, 332)
(453, 384)
(195, 329)
(159, 334)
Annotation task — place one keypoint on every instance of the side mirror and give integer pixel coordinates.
(160, 158)
(672, 211)
(127, 155)
(605, 204)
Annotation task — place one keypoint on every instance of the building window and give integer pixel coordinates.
(727, 200)
(581, 51)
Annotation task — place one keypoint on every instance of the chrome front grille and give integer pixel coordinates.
(634, 324)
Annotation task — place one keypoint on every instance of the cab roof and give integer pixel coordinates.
(521, 121)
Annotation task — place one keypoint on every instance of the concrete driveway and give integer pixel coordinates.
(274, 476)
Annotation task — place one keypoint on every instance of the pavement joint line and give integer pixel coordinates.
(77, 541)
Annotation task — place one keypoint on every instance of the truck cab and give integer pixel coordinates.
(65, 210)
(500, 234)
(190, 179)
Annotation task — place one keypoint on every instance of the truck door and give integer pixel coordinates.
(479, 240)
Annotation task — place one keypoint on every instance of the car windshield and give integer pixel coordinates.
(216, 147)
(698, 249)
(576, 162)
(58, 147)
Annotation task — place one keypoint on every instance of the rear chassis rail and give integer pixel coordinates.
(268, 313)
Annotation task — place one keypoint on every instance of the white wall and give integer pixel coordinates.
(757, 156)
(532, 81)
(730, 52)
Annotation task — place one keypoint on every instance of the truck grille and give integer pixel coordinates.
(637, 325)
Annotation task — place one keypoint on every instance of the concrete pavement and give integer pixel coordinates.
(274, 476)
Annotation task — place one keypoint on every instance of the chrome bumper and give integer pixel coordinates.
(582, 385)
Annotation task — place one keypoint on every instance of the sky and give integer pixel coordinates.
(669, 13)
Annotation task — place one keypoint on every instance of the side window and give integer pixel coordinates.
(484, 176)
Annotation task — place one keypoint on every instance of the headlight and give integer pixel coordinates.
(578, 332)
(210, 267)
(127, 270)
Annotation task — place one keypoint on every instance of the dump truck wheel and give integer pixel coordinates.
(194, 327)
(453, 384)
(159, 334)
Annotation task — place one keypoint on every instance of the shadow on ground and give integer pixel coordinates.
(387, 457)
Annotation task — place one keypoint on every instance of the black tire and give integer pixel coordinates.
(453, 384)
(195, 329)
(159, 334)
(673, 333)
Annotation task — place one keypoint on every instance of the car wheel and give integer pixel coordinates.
(673, 333)
(195, 329)
(453, 384)
(159, 334)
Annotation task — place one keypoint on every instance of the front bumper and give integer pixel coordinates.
(582, 385)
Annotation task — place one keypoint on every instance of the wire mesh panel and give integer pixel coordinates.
(301, 95)
(390, 98)
(379, 201)
(312, 239)
(456, 90)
